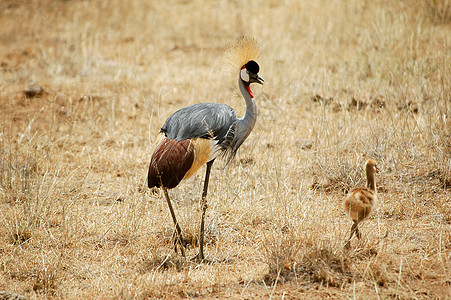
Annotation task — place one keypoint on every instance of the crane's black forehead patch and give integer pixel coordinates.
(252, 66)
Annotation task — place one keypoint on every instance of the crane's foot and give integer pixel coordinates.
(347, 245)
(358, 234)
(200, 255)
(178, 240)
(198, 258)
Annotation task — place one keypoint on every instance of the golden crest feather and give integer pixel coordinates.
(241, 51)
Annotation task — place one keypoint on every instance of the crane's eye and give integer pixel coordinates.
(245, 75)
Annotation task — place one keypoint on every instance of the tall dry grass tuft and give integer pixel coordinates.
(319, 261)
(325, 265)
(280, 251)
(22, 187)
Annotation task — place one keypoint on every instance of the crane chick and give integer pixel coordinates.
(360, 201)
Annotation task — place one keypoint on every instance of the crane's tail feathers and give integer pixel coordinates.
(170, 162)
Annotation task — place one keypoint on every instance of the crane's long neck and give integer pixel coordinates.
(247, 122)
(370, 182)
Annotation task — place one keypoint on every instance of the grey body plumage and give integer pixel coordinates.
(213, 121)
(202, 120)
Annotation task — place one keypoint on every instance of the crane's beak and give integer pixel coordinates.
(256, 78)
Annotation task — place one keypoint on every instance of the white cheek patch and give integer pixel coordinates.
(245, 75)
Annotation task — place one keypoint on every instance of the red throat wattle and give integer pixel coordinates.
(250, 92)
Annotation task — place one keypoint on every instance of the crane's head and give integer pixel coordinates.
(371, 166)
(249, 74)
(242, 55)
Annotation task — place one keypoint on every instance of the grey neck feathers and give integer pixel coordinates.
(247, 122)
(370, 183)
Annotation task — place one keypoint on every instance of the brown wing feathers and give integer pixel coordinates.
(170, 162)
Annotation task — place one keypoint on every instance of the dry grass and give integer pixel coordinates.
(345, 80)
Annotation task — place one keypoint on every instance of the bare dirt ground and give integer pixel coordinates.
(86, 85)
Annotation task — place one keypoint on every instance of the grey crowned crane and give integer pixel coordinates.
(197, 134)
(360, 201)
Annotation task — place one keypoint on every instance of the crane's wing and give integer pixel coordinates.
(202, 120)
(193, 136)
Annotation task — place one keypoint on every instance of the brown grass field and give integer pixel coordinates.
(344, 81)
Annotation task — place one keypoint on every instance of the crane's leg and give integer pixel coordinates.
(200, 256)
(357, 233)
(354, 229)
(179, 238)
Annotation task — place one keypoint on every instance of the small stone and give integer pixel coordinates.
(34, 91)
